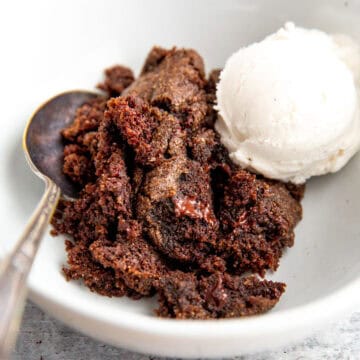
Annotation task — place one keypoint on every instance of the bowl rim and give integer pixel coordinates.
(319, 311)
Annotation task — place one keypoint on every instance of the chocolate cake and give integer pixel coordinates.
(162, 209)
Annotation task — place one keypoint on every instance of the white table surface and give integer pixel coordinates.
(43, 338)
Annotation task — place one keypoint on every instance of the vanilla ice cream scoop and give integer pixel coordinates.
(289, 105)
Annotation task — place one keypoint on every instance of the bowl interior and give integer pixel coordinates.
(66, 50)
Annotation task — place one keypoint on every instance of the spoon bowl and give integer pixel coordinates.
(42, 142)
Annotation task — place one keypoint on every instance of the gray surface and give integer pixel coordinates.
(43, 338)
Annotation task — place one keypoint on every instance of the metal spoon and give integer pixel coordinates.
(43, 149)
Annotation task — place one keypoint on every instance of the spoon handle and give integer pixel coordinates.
(16, 267)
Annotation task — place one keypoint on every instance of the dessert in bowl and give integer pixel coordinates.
(321, 270)
(169, 206)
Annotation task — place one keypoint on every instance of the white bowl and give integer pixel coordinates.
(56, 46)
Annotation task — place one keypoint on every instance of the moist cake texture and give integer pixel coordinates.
(162, 209)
